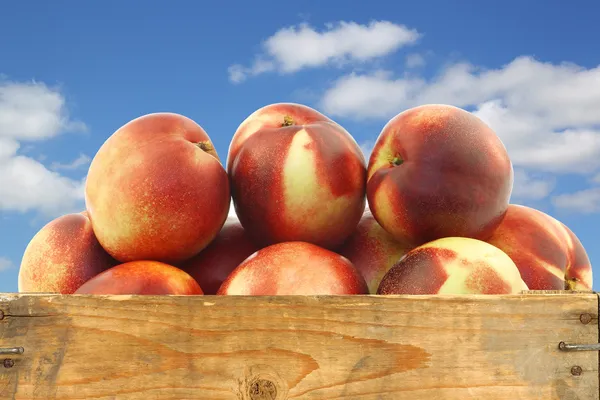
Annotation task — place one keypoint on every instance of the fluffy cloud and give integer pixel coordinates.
(376, 95)
(295, 48)
(31, 112)
(585, 201)
(528, 186)
(565, 94)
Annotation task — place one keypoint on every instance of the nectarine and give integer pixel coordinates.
(142, 277)
(214, 264)
(453, 265)
(547, 253)
(294, 268)
(296, 175)
(62, 256)
(372, 250)
(438, 171)
(156, 190)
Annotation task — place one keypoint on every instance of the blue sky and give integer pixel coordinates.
(73, 72)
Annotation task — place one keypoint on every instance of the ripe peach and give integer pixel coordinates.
(372, 250)
(142, 277)
(294, 268)
(156, 190)
(547, 252)
(438, 171)
(296, 175)
(453, 265)
(62, 256)
(212, 266)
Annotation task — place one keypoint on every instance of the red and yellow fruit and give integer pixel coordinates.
(548, 254)
(438, 171)
(372, 250)
(62, 256)
(214, 264)
(296, 176)
(294, 268)
(157, 190)
(454, 265)
(142, 277)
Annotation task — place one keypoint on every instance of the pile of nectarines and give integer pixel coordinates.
(437, 185)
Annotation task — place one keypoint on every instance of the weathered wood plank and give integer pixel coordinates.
(355, 347)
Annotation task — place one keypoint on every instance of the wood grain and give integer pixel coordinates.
(295, 347)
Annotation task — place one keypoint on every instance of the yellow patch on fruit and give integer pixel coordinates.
(385, 212)
(305, 197)
(476, 260)
(123, 229)
(553, 269)
(386, 245)
(56, 272)
(253, 123)
(383, 155)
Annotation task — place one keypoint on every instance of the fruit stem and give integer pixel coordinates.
(397, 160)
(287, 121)
(571, 283)
(207, 147)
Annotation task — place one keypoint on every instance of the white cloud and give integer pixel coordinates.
(31, 112)
(585, 201)
(375, 95)
(530, 187)
(239, 73)
(546, 114)
(79, 162)
(29, 185)
(295, 48)
(415, 60)
(5, 264)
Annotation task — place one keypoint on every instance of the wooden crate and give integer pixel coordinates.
(294, 347)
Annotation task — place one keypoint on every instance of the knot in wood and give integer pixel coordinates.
(262, 389)
(585, 318)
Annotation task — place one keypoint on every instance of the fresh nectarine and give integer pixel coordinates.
(453, 265)
(547, 253)
(156, 190)
(294, 268)
(296, 175)
(438, 171)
